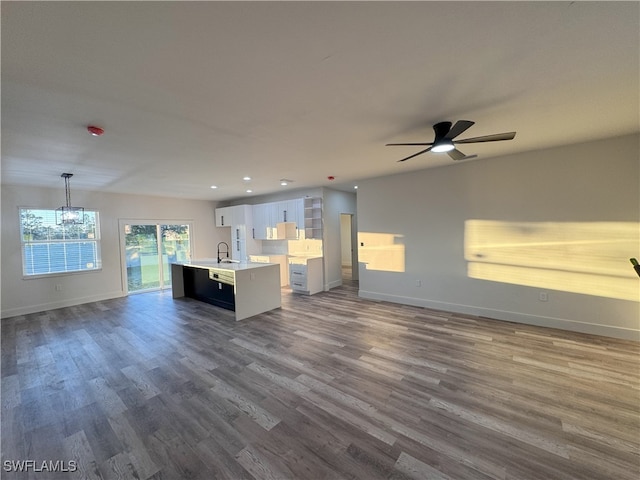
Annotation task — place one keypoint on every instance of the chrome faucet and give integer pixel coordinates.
(227, 252)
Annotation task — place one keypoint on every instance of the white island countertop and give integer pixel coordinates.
(230, 266)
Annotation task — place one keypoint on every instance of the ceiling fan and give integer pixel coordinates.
(444, 142)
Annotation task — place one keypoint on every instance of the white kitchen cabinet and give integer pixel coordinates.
(261, 221)
(239, 243)
(287, 210)
(239, 214)
(280, 209)
(295, 212)
(224, 216)
(288, 219)
(299, 218)
(242, 241)
(267, 216)
(306, 275)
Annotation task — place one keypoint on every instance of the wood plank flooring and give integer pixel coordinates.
(327, 387)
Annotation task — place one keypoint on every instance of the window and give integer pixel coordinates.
(48, 248)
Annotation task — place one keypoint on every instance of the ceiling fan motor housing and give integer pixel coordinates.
(441, 129)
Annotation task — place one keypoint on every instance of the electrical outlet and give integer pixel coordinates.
(418, 283)
(543, 296)
(58, 287)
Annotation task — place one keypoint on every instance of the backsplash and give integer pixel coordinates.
(309, 246)
(274, 247)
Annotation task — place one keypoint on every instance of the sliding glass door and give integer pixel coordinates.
(149, 251)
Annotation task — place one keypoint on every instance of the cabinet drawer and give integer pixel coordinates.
(297, 268)
(298, 279)
(298, 284)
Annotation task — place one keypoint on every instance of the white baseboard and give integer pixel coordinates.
(517, 317)
(13, 312)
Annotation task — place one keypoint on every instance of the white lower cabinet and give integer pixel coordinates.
(306, 275)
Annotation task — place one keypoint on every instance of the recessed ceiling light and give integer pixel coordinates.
(285, 181)
(249, 191)
(246, 179)
(355, 186)
(214, 186)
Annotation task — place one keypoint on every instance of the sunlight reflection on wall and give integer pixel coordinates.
(581, 257)
(381, 251)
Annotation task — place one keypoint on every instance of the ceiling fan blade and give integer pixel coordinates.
(408, 144)
(415, 154)
(456, 154)
(466, 157)
(489, 138)
(458, 128)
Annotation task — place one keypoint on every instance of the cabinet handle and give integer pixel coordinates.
(237, 234)
(285, 215)
(253, 233)
(221, 219)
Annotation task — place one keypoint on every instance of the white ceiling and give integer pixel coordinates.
(192, 94)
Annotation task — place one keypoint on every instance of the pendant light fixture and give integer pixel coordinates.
(68, 215)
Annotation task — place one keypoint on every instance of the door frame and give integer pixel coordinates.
(122, 222)
(353, 233)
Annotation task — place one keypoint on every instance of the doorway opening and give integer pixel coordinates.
(349, 254)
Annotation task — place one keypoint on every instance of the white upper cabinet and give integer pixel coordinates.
(299, 215)
(224, 216)
(261, 221)
(290, 212)
(266, 217)
(294, 211)
(282, 212)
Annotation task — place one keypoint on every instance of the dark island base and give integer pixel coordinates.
(199, 285)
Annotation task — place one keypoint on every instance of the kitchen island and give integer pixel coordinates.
(244, 288)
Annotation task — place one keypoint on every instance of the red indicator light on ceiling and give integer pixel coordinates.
(331, 177)
(95, 131)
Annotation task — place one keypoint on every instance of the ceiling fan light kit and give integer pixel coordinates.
(443, 146)
(443, 142)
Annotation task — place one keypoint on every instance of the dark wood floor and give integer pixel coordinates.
(328, 387)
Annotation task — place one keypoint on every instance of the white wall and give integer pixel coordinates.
(427, 209)
(20, 296)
